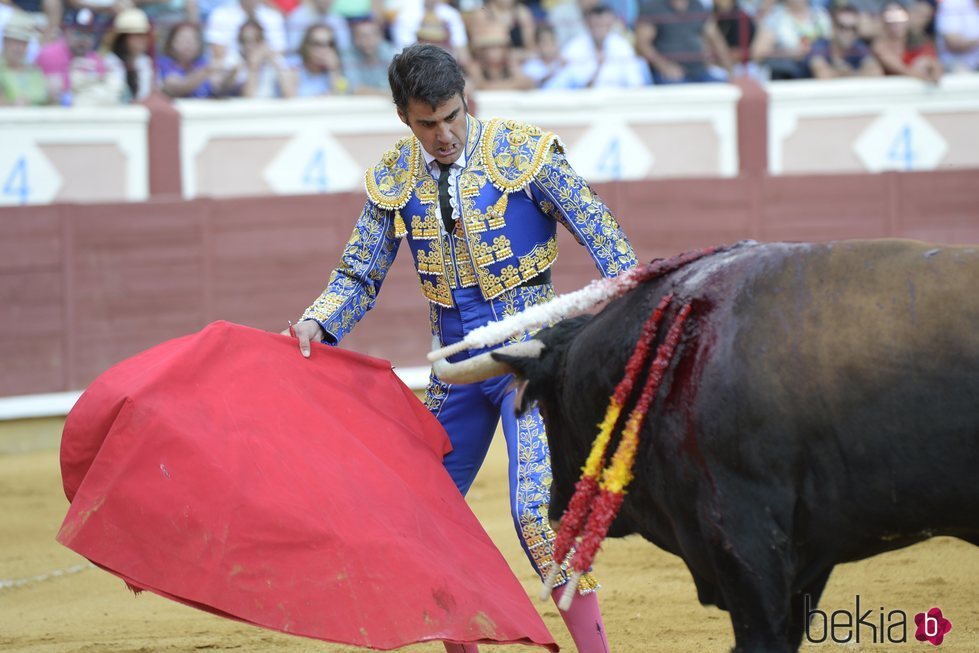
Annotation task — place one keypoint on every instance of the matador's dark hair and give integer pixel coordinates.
(425, 73)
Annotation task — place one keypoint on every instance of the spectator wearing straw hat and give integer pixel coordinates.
(517, 22)
(21, 83)
(45, 19)
(495, 63)
(430, 21)
(128, 56)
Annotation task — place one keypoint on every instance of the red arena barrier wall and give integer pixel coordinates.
(85, 285)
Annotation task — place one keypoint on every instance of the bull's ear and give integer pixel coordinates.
(520, 401)
(525, 371)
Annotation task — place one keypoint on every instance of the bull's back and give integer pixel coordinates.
(848, 374)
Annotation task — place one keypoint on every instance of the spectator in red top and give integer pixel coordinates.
(903, 52)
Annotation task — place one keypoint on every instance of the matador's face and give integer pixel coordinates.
(441, 130)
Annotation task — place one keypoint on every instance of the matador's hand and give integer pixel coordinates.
(304, 332)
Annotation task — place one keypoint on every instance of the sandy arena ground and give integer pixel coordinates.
(52, 601)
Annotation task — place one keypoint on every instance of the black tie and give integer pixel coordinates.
(444, 197)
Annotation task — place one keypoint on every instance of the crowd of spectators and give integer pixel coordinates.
(101, 52)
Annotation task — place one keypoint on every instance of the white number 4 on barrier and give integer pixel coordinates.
(901, 153)
(15, 186)
(610, 161)
(314, 176)
(900, 139)
(26, 176)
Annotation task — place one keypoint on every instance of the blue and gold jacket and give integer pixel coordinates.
(515, 187)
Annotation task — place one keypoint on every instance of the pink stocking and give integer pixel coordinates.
(460, 648)
(584, 622)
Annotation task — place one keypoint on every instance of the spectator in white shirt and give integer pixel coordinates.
(957, 26)
(226, 20)
(600, 58)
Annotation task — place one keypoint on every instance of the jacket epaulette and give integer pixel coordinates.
(513, 152)
(390, 182)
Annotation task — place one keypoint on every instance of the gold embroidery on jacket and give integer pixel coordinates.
(426, 227)
(427, 190)
(438, 292)
(429, 263)
(388, 184)
(514, 152)
(467, 273)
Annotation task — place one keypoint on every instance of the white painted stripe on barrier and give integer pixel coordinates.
(57, 404)
(415, 378)
(40, 578)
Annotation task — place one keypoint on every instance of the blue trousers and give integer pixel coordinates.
(470, 414)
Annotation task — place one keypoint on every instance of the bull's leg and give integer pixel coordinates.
(753, 575)
(759, 610)
(797, 616)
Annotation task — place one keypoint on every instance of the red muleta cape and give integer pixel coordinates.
(225, 471)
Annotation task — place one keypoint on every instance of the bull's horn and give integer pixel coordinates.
(482, 367)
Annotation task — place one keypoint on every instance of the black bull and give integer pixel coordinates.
(823, 407)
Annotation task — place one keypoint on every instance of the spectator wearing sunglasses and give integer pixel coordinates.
(844, 54)
(319, 70)
(316, 12)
